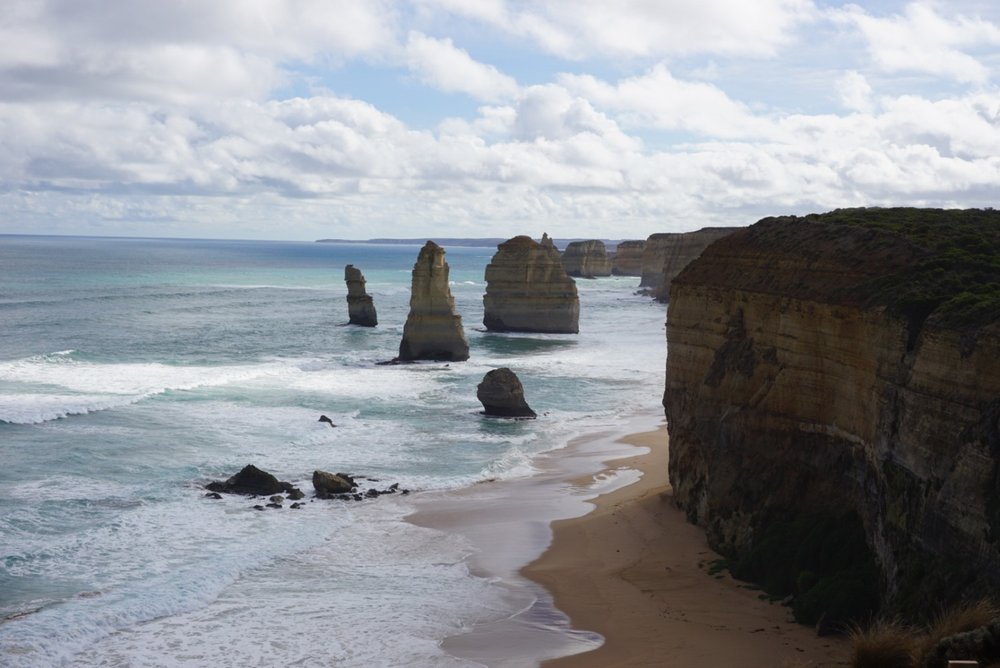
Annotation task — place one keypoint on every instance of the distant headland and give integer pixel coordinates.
(484, 242)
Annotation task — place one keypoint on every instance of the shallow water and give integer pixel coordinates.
(134, 371)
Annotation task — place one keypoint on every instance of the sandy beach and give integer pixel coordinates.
(608, 572)
(636, 572)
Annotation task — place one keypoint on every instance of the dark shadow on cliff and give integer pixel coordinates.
(819, 560)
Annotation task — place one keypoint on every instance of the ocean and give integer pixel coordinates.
(134, 371)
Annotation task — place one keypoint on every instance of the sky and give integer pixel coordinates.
(307, 119)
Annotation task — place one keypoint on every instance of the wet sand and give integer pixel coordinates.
(636, 572)
(604, 571)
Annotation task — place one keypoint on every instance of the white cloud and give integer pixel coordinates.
(445, 67)
(923, 40)
(639, 28)
(855, 92)
(657, 99)
(177, 52)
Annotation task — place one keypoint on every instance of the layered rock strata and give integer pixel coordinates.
(834, 380)
(360, 307)
(433, 331)
(586, 259)
(627, 260)
(665, 255)
(527, 289)
(502, 395)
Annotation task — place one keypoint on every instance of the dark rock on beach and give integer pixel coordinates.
(250, 480)
(502, 395)
(330, 484)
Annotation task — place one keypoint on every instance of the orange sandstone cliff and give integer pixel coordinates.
(833, 400)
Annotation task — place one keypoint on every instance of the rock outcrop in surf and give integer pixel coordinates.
(252, 481)
(586, 259)
(502, 395)
(360, 306)
(433, 329)
(527, 289)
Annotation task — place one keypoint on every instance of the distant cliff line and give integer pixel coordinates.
(483, 242)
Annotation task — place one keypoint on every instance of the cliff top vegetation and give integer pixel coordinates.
(951, 274)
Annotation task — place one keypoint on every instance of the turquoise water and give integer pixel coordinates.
(132, 371)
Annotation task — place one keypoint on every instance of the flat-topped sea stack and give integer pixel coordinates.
(586, 259)
(627, 260)
(833, 400)
(666, 254)
(433, 331)
(527, 289)
(360, 307)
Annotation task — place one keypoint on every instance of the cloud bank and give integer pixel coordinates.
(462, 118)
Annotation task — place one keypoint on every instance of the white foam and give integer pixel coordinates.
(61, 386)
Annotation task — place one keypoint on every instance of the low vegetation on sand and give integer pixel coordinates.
(967, 632)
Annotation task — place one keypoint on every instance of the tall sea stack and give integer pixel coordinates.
(586, 259)
(628, 258)
(833, 399)
(433, 330)
(666, 254)
(527, 289)
(360, 307)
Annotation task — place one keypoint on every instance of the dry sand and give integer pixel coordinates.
(636, 572)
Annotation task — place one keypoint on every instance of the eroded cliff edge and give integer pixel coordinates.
(833, 400)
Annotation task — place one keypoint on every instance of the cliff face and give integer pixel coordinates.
(665, 255)
(433, 330)
(586, 259)
(819, 374)
(628, 258)
(360, 307)
(527, 289)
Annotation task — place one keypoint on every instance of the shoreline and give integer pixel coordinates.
(634, 570)
(600, 569)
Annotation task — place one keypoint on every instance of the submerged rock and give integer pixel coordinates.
(433, 330)
(528, 290)
(323, 418)
(253, 481)
(586, 259)
(360, 306)
(502, 395)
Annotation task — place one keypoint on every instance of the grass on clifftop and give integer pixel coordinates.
(956, 278)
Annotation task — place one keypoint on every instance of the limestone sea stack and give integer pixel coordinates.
(628, 258)
(666, 254)
(360, 307)
(527, 289)
(586, 259)
(502, 395)
(833, 399)
(433, 331)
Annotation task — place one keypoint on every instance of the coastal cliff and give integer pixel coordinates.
(527, 289)
(665, 255)
(833, 400)
(586, 259)
(433, 331)
(627, 260)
